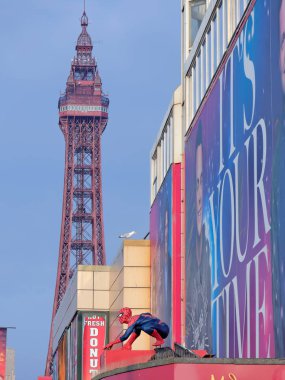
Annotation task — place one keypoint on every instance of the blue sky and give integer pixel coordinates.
(137, 47)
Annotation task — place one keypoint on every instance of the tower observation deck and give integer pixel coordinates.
(83, 116)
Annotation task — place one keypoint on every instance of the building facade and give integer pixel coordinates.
(213, 268)
(87, 317)
(232, 157)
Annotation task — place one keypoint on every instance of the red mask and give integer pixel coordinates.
(125, 315)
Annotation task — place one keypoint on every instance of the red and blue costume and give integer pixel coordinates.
(146, 322)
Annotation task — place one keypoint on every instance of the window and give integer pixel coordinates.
(204, 69)
(225, 24)
(198, 80)
(154, 176)
(154, 186)
(237, 11)
(209, 57)
(197, 12)
(214, 45)
(220, 44)
(191, 98)
(194, 89)
(160, 156)
(171, 139)
(164, 154)
(168, 147)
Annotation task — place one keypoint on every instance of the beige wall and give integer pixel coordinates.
(109, 288)
(88, 290)
(130, 286)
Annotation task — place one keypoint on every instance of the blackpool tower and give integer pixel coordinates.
(83, 116)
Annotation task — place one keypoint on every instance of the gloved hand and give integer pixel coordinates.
(111, 344)
(108, 346)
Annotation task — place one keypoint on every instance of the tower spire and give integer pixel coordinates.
(84, 18)
(84, 40)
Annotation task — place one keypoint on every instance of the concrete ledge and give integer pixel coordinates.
(200, 369)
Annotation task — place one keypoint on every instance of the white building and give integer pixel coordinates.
(10, 364)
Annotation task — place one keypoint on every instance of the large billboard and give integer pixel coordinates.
(3, 341)
(161, 253)
(165, 229)
(235, 198)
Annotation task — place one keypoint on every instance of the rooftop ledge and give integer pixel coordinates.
(179, 368)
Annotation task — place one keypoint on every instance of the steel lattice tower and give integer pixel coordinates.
(83, 116)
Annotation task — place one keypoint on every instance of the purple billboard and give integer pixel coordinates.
(161, 253)
(235, 198)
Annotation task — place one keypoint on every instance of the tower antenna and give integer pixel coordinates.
(84, 6)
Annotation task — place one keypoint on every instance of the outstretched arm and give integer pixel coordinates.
(111, 344)
(121, 339)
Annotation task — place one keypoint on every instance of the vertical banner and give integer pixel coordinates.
(161, 253)
(176, 254)
(3, 341)
(94, 328)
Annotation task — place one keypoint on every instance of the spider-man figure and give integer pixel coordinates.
(137, 323)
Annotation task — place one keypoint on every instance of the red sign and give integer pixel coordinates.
(3, 339)
(230, 371)
(176, 254)
(94, 339)
(187, 371)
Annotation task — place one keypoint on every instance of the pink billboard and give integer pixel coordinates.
(3, 341)
(165, 229)
(94, 330)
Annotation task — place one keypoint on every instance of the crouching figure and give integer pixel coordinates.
(146, 322)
